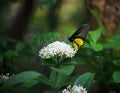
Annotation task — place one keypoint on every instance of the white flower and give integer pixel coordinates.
(75, 89)
(78, 89)
(65, 91)
(4, 77)
(57, 48)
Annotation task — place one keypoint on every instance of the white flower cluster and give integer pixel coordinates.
(57, 48)
(75, 89)
(4, 77)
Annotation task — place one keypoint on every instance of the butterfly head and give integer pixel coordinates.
(71, 39)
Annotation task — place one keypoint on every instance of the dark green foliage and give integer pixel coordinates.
(23, 77)
(116, 76)
(85, 80)
(98, 55)
(47, 3)
(102, 56)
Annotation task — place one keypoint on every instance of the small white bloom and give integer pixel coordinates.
(57, 48)
(79, 89)
(65, 91)
(75, 89)
(4, 77)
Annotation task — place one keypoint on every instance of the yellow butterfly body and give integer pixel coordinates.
(77, 42)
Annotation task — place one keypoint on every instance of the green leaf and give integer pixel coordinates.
(57, 79)
(48, 62)
(118, 30)
(96, 46)
(30, 83)
(116, 62)
(66, 70)
(113, 42)
(95, 35)
(68, 62)
(53, 77)
(23, 77)
(85, 80)
(11, 53)
(111, 45)
(101, 28)
(94, 13)
(116, 76)
(60, 80)
(20, 46)
(44, 79)
(70, 80)
(86, 45)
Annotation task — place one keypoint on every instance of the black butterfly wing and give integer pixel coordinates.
(81, 32)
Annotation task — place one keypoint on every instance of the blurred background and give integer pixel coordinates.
(28, 25)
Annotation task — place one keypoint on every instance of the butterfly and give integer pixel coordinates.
(79, 36)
